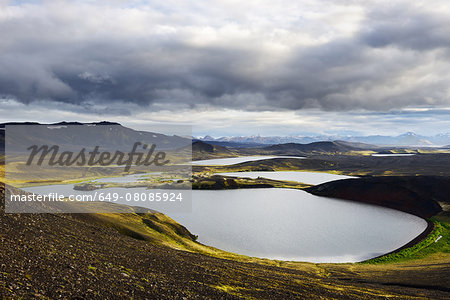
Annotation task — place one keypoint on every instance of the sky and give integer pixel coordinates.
(230, 68)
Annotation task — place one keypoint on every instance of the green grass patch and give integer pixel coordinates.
(438, 241)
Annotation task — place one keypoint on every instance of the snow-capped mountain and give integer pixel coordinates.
(406, 139)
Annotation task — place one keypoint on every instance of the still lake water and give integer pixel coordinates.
(393, 154)
(305, 177)
(286, 224)
(237, 160)
(121, 179)
(289, 224)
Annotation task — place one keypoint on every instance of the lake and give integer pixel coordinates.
(393, 154)
(305, 177)
(289, 224)
(285, 224)
(122, 179)
(237, 160)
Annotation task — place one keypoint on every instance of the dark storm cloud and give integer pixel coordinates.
(67, 53)
(407, 28)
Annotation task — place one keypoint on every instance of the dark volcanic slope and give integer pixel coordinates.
(202, 150)
(65, 256)
(321, 147)
(418, 195)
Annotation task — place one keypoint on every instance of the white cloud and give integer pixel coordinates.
(274, 62)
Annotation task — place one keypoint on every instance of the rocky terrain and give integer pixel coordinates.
(144, 254)
(71, 256)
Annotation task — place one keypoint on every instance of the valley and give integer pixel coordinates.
(414, 184)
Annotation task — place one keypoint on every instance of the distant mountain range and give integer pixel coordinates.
(407, 139)
(74, 135)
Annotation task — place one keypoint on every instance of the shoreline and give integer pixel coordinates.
(421, 237)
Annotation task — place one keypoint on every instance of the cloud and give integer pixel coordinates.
(256, 55)
(232, 122)
(418, 26)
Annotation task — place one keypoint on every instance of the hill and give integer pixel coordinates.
(75, 135)
(316, 147)
(418, 195)
(232, 144)
(202, 150)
